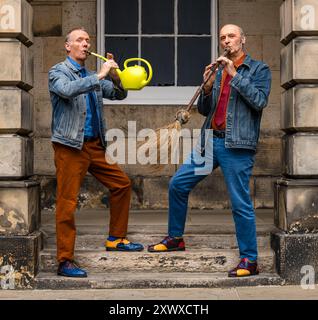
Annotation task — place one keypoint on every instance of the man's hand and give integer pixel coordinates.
(208, 86)
(109, 68)
(228, 65)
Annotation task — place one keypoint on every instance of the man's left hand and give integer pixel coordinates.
(113, 72)
(228, 65)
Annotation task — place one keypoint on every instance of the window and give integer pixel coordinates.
(178, 38)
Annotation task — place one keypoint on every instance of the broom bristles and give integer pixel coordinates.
(166, 141)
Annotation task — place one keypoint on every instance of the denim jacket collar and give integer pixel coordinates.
(70, 65)
(247, 61)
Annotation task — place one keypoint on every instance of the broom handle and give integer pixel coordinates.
(199, 90)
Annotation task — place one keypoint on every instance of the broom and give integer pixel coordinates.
(167, 136)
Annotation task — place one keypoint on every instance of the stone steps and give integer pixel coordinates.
(204, 241)
(204, 229)
(146, 280)
(211, 251)
(191, 260)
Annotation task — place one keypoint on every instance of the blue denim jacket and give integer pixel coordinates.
(250, 89)
(68, 97)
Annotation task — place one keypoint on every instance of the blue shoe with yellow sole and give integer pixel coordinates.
(123, 244)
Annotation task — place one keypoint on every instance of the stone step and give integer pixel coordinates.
(147, 280)
(200, 241)
(191, 260)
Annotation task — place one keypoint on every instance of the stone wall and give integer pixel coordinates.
(259, 19)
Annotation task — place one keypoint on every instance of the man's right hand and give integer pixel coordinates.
(208, 86)
(106, 67)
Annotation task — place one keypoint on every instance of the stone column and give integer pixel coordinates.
(19, 196)
(296, 194)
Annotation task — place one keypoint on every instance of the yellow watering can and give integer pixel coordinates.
(134, 77)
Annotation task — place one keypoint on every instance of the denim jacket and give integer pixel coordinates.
(250, 89)
(67, 92)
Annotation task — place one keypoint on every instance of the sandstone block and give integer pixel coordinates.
(16, 157)
(45, 23)
(298, 62)
(16, 111)
(299, 108)
(296, 204)
(300, 155)
(19, 207)
(16, 18)
(17, 65)
(19, 260)
(298, 18)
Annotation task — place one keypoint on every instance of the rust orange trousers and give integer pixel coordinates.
(71, 167)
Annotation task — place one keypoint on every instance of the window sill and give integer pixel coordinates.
(157, 96)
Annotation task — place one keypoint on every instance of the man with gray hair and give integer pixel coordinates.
(232, 102)
(78, 137)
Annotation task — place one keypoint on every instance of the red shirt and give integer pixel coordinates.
(219, 119)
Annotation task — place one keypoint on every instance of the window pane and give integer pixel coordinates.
(157, 17)
(160, 53)
(194, 16)
(193, 55)
(121, 16)
(122, 48)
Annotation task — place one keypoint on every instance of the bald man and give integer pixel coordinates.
(78, 138)
(232, 102)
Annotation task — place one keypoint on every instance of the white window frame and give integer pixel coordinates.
(150, 95)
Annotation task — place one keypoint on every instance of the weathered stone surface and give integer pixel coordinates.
(298, 18)
(17, 65)
(45, 23)
(19, 207)
(296, 203)
(264, 191)
(254, 46)
(147, 116)
(268, 157)
(274, 97)
(16, 20)
(43, 157)
(300, 155)
(79, 11)
(258, 17)
(298, 62)
(16, 157)
(19, 260)
(16, 111)
(147, 280)
(210, 193)
(188, 261)
(271, 51)
(270, 119)
(294, 255)
(299, 111)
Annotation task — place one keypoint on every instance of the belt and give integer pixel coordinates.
(89, 139)
(219, 134)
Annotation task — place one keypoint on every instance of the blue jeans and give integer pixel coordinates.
(236, 165)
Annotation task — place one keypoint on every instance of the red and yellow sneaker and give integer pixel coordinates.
(168, 244)
(244, 269)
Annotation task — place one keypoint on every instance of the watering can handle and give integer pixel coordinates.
(142, 60)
